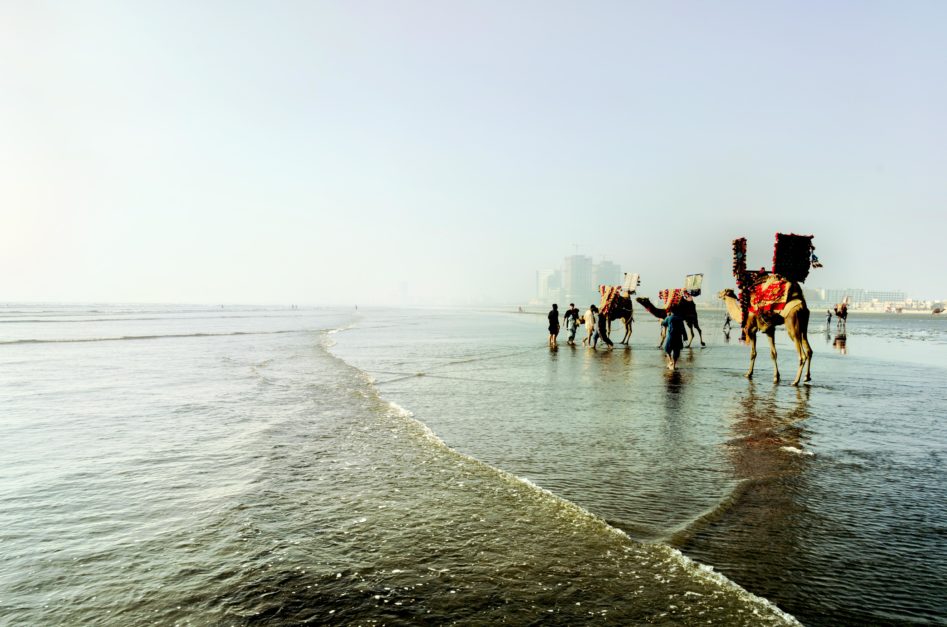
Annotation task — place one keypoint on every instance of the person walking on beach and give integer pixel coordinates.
(553, 316)
(675, 335)
(571, 322)
(589, 319)
(726, 324)
(828, 318)
(603, 331)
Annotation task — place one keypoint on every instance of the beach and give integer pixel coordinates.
(204, 466)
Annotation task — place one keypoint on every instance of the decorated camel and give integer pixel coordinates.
(617, 304)
(682, 306)
(770, 299)
(681, 303)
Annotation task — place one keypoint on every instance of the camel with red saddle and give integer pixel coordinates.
(770, 299)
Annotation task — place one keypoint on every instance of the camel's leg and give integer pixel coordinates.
(691, 327)
(627, 330)
(751, 338)
(699, 332)
(802, 341)
(803, 358)
(792, 330)
(808, 349)
(772, 351)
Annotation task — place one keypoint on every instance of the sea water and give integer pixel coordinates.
(206, 466)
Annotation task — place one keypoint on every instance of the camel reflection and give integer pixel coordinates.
(758, 532)
(769, 454)
(763, 427)
(840, 343)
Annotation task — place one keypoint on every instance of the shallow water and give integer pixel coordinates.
(204, 466)
(828, 499)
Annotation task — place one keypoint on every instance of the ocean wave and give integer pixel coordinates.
(699, 571)
(61, 318)
(148, 337)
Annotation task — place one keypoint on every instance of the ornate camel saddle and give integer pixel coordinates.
(769, 298)
(609, 296)
(673, 298)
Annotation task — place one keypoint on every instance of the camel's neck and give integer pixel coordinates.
(657, 312)
(733, 308)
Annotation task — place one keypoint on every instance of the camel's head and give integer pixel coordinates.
(725, 294)
(644, 300)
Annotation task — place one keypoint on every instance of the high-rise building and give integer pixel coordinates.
(577, 281)
(548, 284)
(577, 278)
(606, 273)
(719, 276)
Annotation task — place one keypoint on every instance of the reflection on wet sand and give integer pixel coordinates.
(753, 532)
(840, 343)
(762, 427)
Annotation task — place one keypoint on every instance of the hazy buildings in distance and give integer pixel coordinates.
(576, 281)
(867, 300)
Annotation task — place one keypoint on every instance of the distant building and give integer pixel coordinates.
(548, 285)
(859, 298)
(718, 277)
(576, 277)
(577, 281)
(606, 273)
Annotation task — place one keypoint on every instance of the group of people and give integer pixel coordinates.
(596, 326)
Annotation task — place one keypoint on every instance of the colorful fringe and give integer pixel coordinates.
(672, 298)
(609, 295)
(792, 256)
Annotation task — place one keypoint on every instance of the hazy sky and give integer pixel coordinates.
(441, 152)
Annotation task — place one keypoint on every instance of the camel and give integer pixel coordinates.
(687, 309)
(841, 315)
(795, 315)
(621, 309)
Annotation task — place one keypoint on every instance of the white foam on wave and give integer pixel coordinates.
(328, 342)
(795, 451)
(700, 571)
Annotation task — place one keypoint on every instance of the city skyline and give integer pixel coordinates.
(714, 280)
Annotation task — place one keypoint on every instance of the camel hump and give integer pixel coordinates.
(792, 306)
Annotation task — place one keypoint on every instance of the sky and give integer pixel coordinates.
(439, 153)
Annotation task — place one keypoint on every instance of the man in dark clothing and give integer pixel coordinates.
(673, 338)
(603, 330)
(571, 322)
(553, 325)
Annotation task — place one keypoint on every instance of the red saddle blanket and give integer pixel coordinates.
(769, 295)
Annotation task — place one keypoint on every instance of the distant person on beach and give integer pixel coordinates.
(828, 317)
(603, 331)
(675, 335)
(589, 319)
(571, 322)
(726, 324)
(553, 316)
